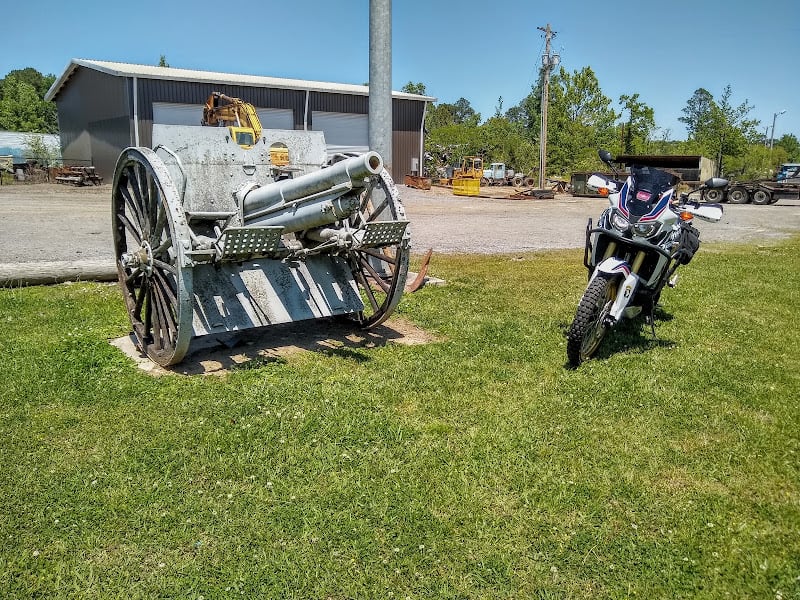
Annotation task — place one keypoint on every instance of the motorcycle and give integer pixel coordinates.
(634, 250)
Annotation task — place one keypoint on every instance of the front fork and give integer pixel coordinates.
(615, 268)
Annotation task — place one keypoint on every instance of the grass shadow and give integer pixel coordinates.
(630, 335)
(257, 348)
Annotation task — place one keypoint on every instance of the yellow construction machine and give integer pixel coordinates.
(237, 115)
(471, 168)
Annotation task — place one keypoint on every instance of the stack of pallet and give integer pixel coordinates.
(78, 176)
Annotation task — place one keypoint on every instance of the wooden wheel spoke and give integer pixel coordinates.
(161, 221)
(133, 275)
(131, 203)
(368, 290)
(375, 275)
(166, 315)
(376, 213)
(137, 307)
(165, 266)
(167, 286)
(148, 309)
(133, 172)
(131, 227)
(141, 191)
(366, 196)
(163, 247)
(379, 255)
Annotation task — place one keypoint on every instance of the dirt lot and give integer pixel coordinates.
(50, 222)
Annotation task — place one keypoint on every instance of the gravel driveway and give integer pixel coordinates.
(50, 222)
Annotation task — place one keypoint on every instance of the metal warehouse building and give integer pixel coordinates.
(104, 107)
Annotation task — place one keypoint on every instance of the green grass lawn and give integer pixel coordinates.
(478, 466)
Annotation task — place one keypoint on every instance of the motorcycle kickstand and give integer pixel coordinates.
(650, 319)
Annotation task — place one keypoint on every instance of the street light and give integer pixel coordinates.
(772, 137)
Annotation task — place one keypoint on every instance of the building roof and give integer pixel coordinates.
(154, 72)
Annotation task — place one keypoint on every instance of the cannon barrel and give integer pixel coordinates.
(309, 200)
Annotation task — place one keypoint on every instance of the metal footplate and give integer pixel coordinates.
(248, 242)
(381, 233)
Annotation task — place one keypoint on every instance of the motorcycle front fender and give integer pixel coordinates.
(619, 271)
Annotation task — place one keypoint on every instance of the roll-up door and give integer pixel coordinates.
(276, 118)
(167, 113)
(344, 132)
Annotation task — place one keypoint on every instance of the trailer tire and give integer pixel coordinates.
(712, 195)
(761, 197)
(738, 195)
(518, 180)
(484, 181)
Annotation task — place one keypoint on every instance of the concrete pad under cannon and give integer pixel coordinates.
(255, 347)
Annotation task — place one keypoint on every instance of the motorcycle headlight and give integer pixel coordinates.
(646, 229)
(619, 222)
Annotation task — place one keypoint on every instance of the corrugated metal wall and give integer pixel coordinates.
(96, 114)
(94, 120)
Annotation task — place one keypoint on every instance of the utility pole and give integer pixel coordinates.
(380, 79)
(548, 62)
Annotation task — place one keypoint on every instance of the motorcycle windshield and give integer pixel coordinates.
(648, 184)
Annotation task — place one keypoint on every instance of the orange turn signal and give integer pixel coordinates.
(686, 216)
(602, 191)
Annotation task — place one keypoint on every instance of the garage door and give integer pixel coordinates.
(167, 113)
(276, 118)
(344, 132)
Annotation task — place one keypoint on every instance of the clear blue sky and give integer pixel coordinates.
(464, 48)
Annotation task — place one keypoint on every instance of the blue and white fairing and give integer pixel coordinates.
(638, 215)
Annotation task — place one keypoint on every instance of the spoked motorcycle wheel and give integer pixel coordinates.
(588, 328)
(380, 272)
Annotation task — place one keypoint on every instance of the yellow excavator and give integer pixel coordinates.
(237, 115)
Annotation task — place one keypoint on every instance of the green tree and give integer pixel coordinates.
(37, 148)
(719, 128)
(580, 120)
(791, 145)
(22, 104)
(697, 111)
(640, 124)
(162, 62)
(414, 88)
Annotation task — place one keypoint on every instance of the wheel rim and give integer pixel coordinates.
(379, 272)
(713, 195)
(597, 330)
(738, 196)
(760, 197)
(149, 234)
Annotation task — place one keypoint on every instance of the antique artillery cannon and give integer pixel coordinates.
(212, 238)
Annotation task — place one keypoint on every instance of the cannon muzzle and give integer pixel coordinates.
(311, 200)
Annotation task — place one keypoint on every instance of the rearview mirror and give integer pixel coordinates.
(605, 156)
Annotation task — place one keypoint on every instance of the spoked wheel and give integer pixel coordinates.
(149, 231)
(589, 326)
(379, 271)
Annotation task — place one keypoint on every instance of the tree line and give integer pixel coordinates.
(582, 119)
